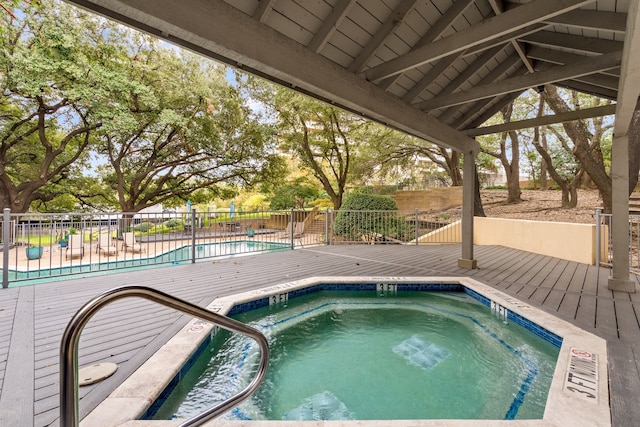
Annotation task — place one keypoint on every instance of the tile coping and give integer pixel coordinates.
(579, 393)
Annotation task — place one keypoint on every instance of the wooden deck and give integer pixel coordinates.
(32, 318)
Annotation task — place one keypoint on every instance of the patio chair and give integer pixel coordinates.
(105, 245)
(75, 247)
(298, 229)
(130, 243)
(287, 231)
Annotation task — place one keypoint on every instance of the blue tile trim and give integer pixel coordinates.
(248, 306)
(442, 287)
(164, 395)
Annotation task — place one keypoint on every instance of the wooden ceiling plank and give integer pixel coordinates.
(498, 8)
(330, 24)
(440, 67)
(492, 28)
(262, 11)
(502, 68)
(436, 30)
(563, 72)
(393, 21)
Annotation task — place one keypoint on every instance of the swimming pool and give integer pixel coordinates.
(367, 355)
(578, 393)
(142, 261)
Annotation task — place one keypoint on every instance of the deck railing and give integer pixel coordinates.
(49, 246)
(605, 220)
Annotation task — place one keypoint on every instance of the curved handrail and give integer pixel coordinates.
(71, 337)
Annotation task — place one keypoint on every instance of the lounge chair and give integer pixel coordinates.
(298, 229)
(130, 243)
(287, 231)
(75, 247)
(106, 245)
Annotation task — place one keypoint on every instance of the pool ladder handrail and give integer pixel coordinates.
(71, 338)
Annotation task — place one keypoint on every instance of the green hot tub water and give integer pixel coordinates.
(340, 355)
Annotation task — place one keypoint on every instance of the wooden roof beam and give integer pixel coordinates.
(585, 45)
(603, 110)
(492, 28)
(456, 9)
(330, 24)
(493, 76)
(395, 19)
(561, 58)
(580, 68)
(615, 22)
(471, 116)
(263, 9)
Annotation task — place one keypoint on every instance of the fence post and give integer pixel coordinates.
(6, 229)
(326, 227)
(598, 231)
(417, 231)
(292, 224)
(193, 236)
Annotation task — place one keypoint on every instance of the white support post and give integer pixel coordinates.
(620, 215)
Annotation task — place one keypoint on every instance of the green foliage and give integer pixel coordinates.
(173, 223)
(143, 227)
(379, 217)
(364, 200)
(256, 202)
(54, 87)
(294, 195)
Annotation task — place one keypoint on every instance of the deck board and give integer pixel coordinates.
(129, 331)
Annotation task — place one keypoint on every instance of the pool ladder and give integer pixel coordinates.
(71, 338)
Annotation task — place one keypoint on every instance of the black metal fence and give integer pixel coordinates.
(49, 246)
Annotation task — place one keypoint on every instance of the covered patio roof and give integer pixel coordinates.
(436, 69)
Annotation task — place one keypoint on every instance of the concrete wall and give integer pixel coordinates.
(573, 242)
(432, 199)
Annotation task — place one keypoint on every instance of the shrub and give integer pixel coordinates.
(173, 223)
(379, 218)
(143, 227)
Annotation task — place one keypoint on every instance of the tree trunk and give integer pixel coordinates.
(588, 155)
(513, 180)
(543, 164)
(634, 151)
(478, 210)
(453, 161)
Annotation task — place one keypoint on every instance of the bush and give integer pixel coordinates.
(173, 223)
(379, 219)
(143, 227)
(369, 202)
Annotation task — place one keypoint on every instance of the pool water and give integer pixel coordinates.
(364, 355)
(141, 261)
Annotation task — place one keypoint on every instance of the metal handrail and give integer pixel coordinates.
(71, 338)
